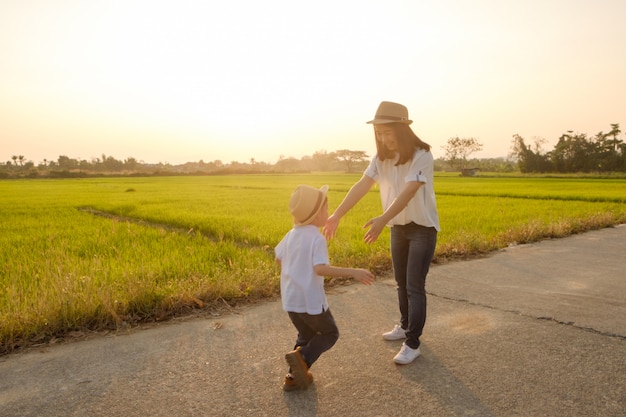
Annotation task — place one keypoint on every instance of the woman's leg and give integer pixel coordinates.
(399, 256)
(420, 254)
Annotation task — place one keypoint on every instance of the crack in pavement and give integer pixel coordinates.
(545, 318)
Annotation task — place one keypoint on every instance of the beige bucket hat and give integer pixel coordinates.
(306, 202)
(389, 112)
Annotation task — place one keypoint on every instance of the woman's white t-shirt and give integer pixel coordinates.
(422, 209)
(301, 289)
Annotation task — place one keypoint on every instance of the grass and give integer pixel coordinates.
(106, 253)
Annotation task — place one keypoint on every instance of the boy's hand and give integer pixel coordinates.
(363, 275)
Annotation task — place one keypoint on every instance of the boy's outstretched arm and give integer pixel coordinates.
(362, 275)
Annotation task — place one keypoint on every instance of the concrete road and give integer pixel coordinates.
(534, 330)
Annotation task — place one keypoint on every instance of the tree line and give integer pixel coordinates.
(65, 167)
(574, 152)
(321, 161)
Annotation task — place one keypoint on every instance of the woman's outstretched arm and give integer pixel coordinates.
(356, 193)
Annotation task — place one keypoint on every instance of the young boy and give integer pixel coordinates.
(303, 257)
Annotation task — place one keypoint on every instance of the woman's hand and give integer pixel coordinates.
(356, 193)
(376, 226)
(331, 226)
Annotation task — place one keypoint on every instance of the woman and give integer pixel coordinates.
(403, 168)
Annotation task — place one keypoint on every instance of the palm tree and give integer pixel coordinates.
(614, 132)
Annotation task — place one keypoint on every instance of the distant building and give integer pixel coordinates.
(470, 172)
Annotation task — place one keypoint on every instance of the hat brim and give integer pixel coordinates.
(386, 121)
(324, 191)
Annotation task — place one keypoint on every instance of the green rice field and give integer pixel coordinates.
(84, 255)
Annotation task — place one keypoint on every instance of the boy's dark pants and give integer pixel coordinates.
(316, 334)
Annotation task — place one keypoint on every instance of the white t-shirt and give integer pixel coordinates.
(422, 209)
(301, 289)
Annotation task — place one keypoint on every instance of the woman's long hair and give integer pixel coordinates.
(407, 143)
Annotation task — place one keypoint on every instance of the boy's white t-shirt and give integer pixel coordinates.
(301, 289)
(422, 209)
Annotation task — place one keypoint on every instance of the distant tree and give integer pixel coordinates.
(351, 158)
(67, 163)
(306, 164)
(614, 132)
(323, 161)
(530, 159)
(83, 164)
(131, 164)
(520, 152)
(604, 152)
(458, 149)
(574, 153)
(289, 164)
(112, 165)
(608, 150)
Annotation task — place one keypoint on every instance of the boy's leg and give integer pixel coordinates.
(305, 332)
(325, 335)
(298, 368)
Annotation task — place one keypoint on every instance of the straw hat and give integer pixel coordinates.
(389, 112)
(306, 202)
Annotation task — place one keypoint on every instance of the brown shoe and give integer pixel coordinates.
(291, 385)
(299, 368)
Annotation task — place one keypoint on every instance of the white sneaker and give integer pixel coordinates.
(406, 355)
(396, 334)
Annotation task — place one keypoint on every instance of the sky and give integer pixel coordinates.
(188, 80)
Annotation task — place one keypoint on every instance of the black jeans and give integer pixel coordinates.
(412, 250)
(316, 334)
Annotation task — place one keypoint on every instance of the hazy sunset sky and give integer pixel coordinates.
(189, 80)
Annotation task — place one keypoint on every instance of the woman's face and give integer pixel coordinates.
(387, 136)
